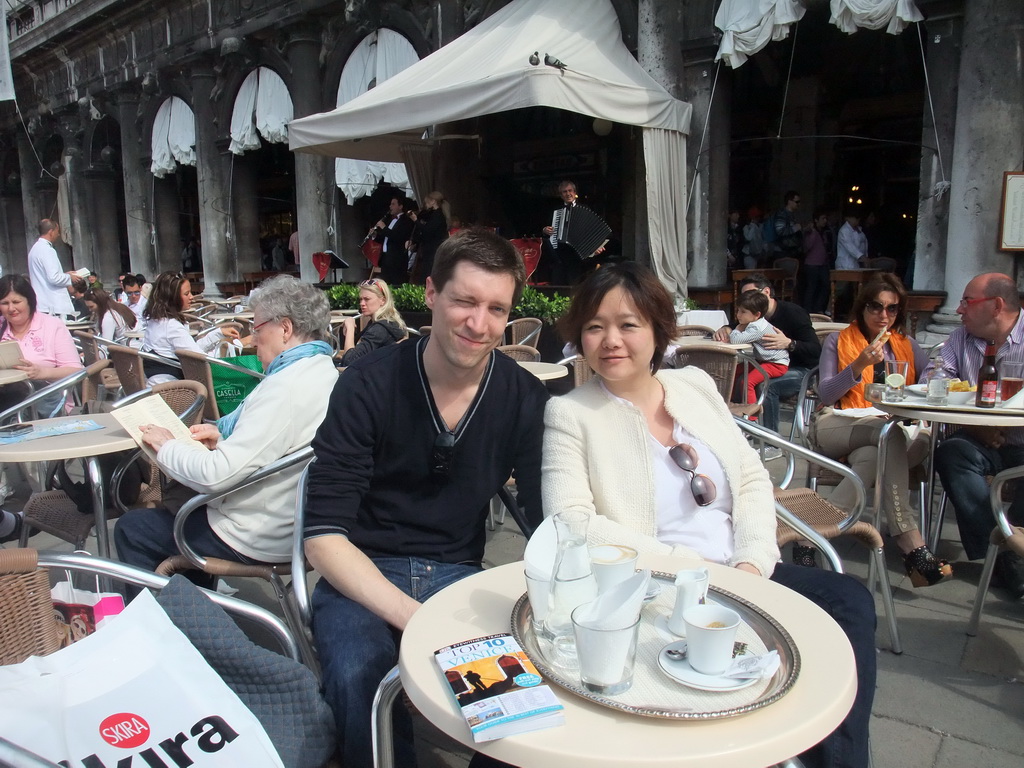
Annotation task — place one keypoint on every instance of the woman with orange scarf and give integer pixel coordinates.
(850, 360)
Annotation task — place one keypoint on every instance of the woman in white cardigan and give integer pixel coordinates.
(657, 461)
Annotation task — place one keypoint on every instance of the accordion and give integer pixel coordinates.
(580, 228)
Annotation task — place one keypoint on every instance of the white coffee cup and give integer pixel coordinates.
(710, 634)
(691, 589)
(612, 564)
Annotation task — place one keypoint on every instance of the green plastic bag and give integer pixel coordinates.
(232, 387)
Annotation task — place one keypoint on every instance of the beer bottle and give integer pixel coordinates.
(988, 379)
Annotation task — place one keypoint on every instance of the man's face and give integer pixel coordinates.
(469, 314)
(752, 287)
(821, 222)
(53, 234)
(793, 203)
(567, 193)
(395, 207)
(134, 292)
(976, 311)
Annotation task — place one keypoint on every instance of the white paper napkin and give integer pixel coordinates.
(541, 550)
(747, 667)
(1017, 401)
(619, 606)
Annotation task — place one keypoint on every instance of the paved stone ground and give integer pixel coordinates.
(948, 701)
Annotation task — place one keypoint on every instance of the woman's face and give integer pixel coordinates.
(14, 307)
(92, 306)
(186, 296)
(617, 342)
(369, 302)
(268, 338)
(877, 314)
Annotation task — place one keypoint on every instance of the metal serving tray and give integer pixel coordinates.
(706, 705)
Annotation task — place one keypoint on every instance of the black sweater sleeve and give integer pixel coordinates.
(374, 336)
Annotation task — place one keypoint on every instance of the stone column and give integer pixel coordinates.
(12, 222)
(943, 63)
(212, 171)
(29, 200)
(315, 190)
(989, 139)
(138, 188)
(101, 198)
(167, 228)
(82, 225)
(246, 232)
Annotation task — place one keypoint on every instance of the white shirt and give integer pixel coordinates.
(49, 281)
(851, 247)
(164, 336)
(138, 306)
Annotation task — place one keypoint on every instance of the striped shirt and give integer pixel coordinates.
(963, 354)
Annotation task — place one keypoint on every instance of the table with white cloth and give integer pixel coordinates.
(544, 371)
(599, 737)
(90, 445)
(918, 408)
(710, 318)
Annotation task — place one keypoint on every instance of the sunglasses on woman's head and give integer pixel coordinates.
(701, 486)
(372, 282)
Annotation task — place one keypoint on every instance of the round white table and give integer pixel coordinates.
(684, 341)
(544, 371)
(220, 317)
(598, 737)
(917, 408)
(11, 375)
(78, 445)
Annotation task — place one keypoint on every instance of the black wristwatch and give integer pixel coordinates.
(791, 347)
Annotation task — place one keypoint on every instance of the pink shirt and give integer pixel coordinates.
(48, 343)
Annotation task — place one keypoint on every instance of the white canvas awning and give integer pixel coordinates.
(263, 107)
(174, 137)
(488, 70)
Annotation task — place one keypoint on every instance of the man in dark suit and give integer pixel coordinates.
(393, 232)
(567, 266)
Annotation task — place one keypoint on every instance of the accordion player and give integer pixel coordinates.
(579, 228)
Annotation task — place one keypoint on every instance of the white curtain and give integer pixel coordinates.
(749, 25)
(893, 15)
(263, 107)
(243, 127)
(665, 160)
(174, 137)
(379, 56)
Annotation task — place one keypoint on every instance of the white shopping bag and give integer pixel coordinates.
(137, 693)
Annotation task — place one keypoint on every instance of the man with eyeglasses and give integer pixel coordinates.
(418, 438)
(132, 296)
(990, 310)
(788, 232)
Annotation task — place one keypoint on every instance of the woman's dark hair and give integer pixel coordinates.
(105, 304)
(886, 281)
(753, 301)
(19, 284)
(165, 298)
(651, 299)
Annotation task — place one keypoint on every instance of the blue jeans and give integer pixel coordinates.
(357, 648)
(963, 463)
(851, 606)
(145, 538)
(786, 385)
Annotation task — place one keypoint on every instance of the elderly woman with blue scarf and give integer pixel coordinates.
(279, 417)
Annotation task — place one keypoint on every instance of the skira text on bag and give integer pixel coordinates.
(211, 734)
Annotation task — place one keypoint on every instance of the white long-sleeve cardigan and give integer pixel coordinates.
(597, 459)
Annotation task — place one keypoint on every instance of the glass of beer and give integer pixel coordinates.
(1011, 379)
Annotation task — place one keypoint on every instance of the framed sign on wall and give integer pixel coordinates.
(1011, 214)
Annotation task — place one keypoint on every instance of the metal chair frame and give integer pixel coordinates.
(524, 330)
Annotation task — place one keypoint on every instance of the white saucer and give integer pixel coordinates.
(661, 627)
(919, 390)
(681, 671)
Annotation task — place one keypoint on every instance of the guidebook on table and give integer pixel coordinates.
(497, 687)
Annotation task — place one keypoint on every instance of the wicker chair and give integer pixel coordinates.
(196, 366)
(1004, 537)
(521, 352)
(816, 318)
(27, 624)
(128, 365)
(525, 330)
(828, 520)
(56, 513)
(791, 267)
(581, 371)
(91, 354)
(720, 363)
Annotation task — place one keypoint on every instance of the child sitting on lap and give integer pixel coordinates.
(750, 329)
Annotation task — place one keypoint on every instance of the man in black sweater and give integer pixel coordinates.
(796, 334)
(417, 439)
